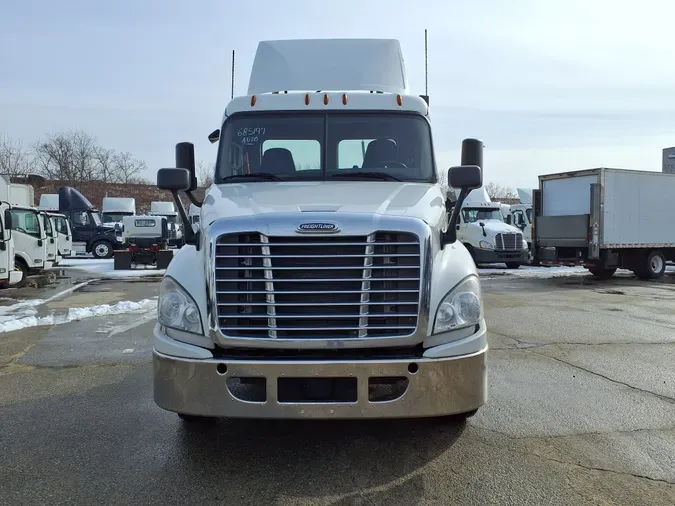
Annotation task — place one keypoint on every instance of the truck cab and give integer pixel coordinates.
(520, 215)
(9, 275)
(28, 234)
(482, 230)
(167, 210)
(88, 233)
(325, 279)
(51, 246)
(64, 236)
(116, 208)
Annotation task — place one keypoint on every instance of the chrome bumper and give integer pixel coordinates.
(443, 386)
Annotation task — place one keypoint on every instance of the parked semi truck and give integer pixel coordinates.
(606, 219)
(325, 279)
(482, 230)
(116, 208)
(168, 211)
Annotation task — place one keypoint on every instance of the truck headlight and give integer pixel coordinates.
(485, 245)
(176, 309)
(461, 307)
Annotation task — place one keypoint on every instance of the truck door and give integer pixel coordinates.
(65, 239)
(6, 251)
(27, 237)
(84, 227)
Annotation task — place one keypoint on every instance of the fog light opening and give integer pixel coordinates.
(222, 369)
(413, 368)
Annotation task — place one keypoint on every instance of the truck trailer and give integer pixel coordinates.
(325, 278)
(606, 219)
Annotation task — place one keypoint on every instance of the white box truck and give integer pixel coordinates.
(325, 279)
(49, 202)
(606, 219)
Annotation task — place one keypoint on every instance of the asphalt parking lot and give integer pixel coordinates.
(581, 411)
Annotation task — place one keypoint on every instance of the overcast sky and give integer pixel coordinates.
(549, 85)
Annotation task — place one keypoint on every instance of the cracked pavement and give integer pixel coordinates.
(581, 411)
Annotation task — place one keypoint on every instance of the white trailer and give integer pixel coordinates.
(606, 219)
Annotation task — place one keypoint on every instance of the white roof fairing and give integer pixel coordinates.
(328, 65)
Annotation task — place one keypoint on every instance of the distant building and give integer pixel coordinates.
(668, 165)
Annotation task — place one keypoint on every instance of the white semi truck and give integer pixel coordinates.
(606, 219)
(520, 215)
(168, 210)
(325, 279)
(482, 230)
(116, 208)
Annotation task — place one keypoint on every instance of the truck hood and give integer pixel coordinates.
(421, 200)
(495, 227)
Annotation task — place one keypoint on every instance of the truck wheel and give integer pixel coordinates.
(512, 265)
(654, 266)
(19, 265)
(601, 273)
(102, 249)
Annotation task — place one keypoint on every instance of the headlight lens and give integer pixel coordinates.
(176, 309)
(462, 307)
(485, 245)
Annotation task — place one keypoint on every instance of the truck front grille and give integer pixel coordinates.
(509, 242)
(317, 287)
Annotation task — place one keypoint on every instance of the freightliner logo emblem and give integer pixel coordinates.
(317, 228)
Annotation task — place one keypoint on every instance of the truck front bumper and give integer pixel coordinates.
(490, 256)
(432, 386)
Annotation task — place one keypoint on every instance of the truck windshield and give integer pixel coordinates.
(318, 147)
(472, 214)
(26, 221)
(114, 217)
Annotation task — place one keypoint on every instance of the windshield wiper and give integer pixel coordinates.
(263, 176)
(372, 175)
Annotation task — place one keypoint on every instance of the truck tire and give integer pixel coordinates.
(20, 265)
(471, 251)
(102, 249)
(653, 267)
(602, 273)
(512, 265)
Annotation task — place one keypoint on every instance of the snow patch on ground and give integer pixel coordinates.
(526, 271)
(106, 268)
(9, 323)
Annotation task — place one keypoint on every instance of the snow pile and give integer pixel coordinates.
(106, 268)
(9, 323)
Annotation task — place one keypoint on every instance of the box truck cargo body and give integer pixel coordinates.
(606, 219)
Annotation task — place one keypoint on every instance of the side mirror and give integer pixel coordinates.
(8, 224)
(174, 180)
(509, 219)
(465, 177)
(214, 136)
(185, 159)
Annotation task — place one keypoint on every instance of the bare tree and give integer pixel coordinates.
(126, 168)
(14, 159)
(205, 173)
(105, 159)
(68, 156)
(497, 191)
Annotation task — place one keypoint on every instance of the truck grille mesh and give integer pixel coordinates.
(509, 242)
(317, 287)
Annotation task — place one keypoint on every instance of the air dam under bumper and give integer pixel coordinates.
(437, 387)
(489, 256)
